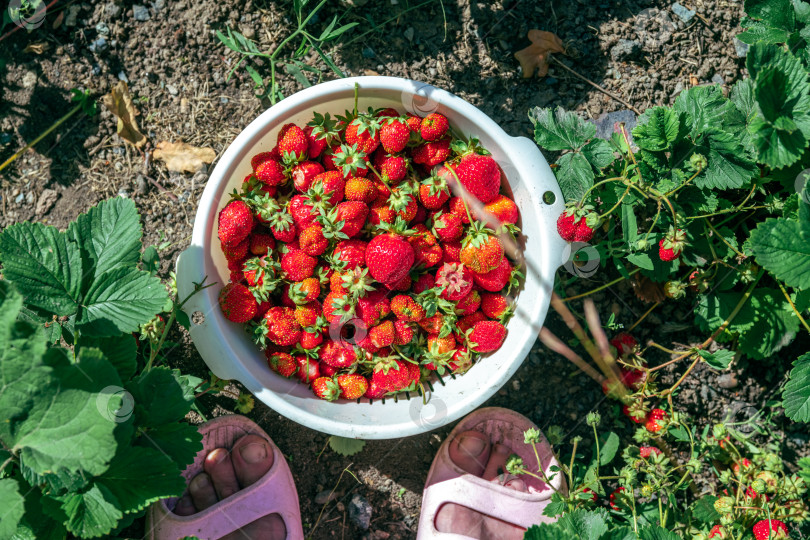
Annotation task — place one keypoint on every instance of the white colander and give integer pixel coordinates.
(228, 350)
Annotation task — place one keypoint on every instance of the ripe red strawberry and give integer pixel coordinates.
(263, 156)
(469, 321)
(375, 391)
(433, 126)
(481, 250)
(332, 185)
(282, 226)
(336, 305)
(495, 280)
(297, 265)
(316, 145)
(389, 257)
(403, 332)
(448, 227)
(352, 386)
(427, 251)
(374, 307)
(647, 451)
(282, 327)
(327, 370)
(718, 533)
(388, 112)
(310, 340)
(422, 283)
(394, 135)
(741, 466)
(363, 132)
(413, 122)
(635, 413)
(261, 243)
(488, 336)
(235, 223)
(352, 252)
(594, 496)
(468, 304)
(326, 388)
(349, 160)
(236, 252)
(624, 343)
(461, 361)
(451, 252)
(433, 192)
(353, 214)
(432, 324)
(457, 207)
(282, 363)
(312, 241)
(304, 174)
(455, 281)
(237, 303)
(405, 308)
(479, 175)
(392, 169)
(307, 369)
(383, 334)
(360, 189)
(293, 144)
(307, 314)
(431, 153)
(390, 374)
(770, 530)
(381, 213)
(656, 420)
(440, 345)
(494, 305)
(577, 224)
(302, 211)
(338, 355)
(270, 172)
(617, 495)
(503, 208)
(402, 285)
(671, 246)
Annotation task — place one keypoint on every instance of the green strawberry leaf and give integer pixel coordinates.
(109, 235)
(13, 507)
(654, 532)
(729, 165)
(179, 441)
(588, 525)
(560, 130)
(704, 511)
(139, 476)
(94, 512)
(764, 324)
(575, 175)
(159, 396)
(608, 448)
(546, 531)
(705, 108)
(119, 301)
(796, 395)
(718, 360)
(782, 247)
(58, 481)
(120, 351)
(36, 524)
(599, 153)
(44, 266)
(768, 20)
(658, 129)
(346, 446)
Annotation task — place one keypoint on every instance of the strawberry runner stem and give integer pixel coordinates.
(601, 287)
(55, 125)
(793, 306)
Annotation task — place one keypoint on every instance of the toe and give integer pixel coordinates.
(517, 484)
(202, 492)
(266, 528)
(497, 461)
(185, 507)
(470, 451)
(219, 467)
(252, 457)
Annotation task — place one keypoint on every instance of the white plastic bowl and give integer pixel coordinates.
(228, 350)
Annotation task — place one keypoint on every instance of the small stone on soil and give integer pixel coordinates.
(624, 50)
(29, 79)
(360, 511)
(140, 13)
(683, 13)
(727, 381)
(740, 48)
(324, 497)
(112, 10)
(46, 201)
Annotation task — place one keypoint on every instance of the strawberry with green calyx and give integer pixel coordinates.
(327, 190)
(504, 209)
(461, 361)
(656, 420)
(324, 130)
(339, 307)
(307, 368)
(235, 223)
(282, 226)
(263, 206)
(431, 153)
(403, 332)
(281, 326)
(356, 282)
(350, 161)
(624, 343)
(390, 373)
(373, 307)
(770, 529)
(394, 134)
(360, 189)
(648, 451)
(302, 210)
(495, 306)
(262, 276)
(427, 251)
(636, 412)
(468, 304)
(303, 175)
(352, 386)
(389, 256)
(391, 168)
(433, 192)
(349, 218)
(481, 250)
(619, 501)
(270, 172)
(439, 353)
(293, 144)
(407, 309)
(237, 303)
(304, 291)
(447, 227)
(307, 314)
(674, 289)
(282, 363)
(326, 388)
(463, 148)
(671, 245)
(348, 254)
(577, 223)
(434, 126)
(479, 175)
(312, 240)
(363, 132)
(455, 281)
(403, 202)
(487, 336)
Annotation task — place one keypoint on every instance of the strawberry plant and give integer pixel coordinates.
(91, 432)
(706, 200)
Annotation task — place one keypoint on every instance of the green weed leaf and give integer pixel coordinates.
(345, 446)
(91, 513)
(179, 441)
(718, 360)
(796, 395)
(160, 397)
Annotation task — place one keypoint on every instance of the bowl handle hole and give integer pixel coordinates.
(549, 197)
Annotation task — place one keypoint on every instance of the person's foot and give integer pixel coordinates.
(225, 474)
(473, 452)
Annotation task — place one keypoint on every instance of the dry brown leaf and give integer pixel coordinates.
(120, 104)
(693, 80)
(535, 56)
(37, 48)
(182, 157)
(647, 290)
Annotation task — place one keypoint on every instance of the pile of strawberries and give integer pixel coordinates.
(353, 262)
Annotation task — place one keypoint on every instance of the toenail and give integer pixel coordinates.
(202, 480)
(472, 445)
(253, 452)
(218, 456)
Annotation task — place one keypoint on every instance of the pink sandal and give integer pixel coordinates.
(447, 483)
(274, 493)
